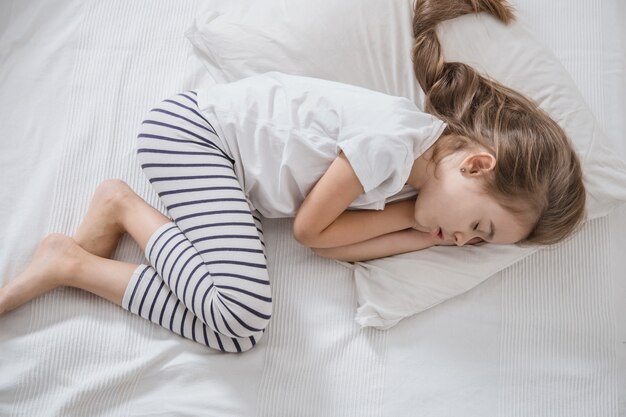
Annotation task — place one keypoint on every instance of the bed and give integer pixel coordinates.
(544, 337)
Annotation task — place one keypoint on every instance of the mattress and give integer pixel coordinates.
(545, 337)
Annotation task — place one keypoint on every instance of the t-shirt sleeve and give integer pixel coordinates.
(381, 162)
(382, 136)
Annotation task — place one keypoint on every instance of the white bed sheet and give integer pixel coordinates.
(545, 337)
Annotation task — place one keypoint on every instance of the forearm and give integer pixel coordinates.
(403, 241)
(361, 225)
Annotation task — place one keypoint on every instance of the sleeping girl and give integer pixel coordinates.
(486, 163)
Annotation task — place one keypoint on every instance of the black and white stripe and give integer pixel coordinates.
(207, 279)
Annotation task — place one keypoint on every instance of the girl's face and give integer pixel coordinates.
(453, 207)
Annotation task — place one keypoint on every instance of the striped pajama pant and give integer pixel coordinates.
(207, 276)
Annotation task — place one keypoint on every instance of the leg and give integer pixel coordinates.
(116, 207)
(60, 261)
(149, 296)
(231, 299)
(211, 255)
(98, 234)
(101, 229)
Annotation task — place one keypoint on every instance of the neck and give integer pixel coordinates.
(419, 172)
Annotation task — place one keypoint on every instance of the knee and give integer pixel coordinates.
(251, 343)
(241, 316)
(242, 345)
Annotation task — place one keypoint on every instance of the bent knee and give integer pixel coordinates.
(239, 317)
(241, 345)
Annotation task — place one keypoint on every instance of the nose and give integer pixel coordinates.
(460, 239)
(463, 239)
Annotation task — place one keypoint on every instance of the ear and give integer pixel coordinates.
(478, 163)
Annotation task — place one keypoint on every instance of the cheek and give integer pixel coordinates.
(438, 210)
(426, 208)
(431, 201)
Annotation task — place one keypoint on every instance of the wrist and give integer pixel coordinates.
(422, 240)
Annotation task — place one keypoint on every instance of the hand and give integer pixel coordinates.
(474, 241)
(427, 238)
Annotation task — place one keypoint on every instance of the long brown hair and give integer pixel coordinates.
(538, 175)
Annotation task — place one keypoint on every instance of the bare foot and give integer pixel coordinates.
(55, 261)
(101, 230)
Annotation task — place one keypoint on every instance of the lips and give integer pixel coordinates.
(438, 233)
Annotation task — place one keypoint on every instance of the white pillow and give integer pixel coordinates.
(368, 43)
(360, 42)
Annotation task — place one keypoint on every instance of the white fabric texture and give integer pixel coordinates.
(284, 131)
(392, 288)
(546, 337)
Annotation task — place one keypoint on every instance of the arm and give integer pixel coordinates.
(407, 240)
(360, 225)
(322, 220)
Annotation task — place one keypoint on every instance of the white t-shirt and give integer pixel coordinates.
(284, 131)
